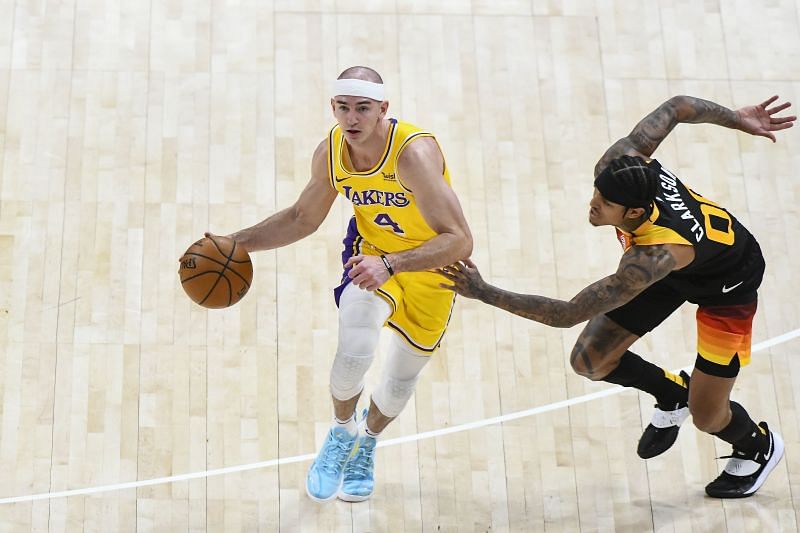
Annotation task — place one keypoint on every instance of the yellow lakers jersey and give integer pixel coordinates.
(386, 212)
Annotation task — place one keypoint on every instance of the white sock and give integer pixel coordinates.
(349, 425)
(364, 430)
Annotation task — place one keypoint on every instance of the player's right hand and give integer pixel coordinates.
(759, 120)
(367, 271)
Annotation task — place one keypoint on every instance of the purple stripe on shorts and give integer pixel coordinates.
(348, 252)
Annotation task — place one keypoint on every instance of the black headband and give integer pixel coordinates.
(615, 189)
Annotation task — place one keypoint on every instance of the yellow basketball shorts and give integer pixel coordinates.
(421, 309)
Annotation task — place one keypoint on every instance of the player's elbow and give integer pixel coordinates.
(678, 106)
(466, 245)
(457, 243)
(678, 100)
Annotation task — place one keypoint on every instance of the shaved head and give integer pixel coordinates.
(360, 73)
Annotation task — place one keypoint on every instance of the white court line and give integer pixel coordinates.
(389, 442)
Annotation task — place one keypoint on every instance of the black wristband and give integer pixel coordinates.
(387, 265)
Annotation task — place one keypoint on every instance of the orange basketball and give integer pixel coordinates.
(216, 272)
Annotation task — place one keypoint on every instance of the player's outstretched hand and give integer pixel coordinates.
(761, 120)
(466, 279)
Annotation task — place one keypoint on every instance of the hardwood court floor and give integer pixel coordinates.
(128, 128)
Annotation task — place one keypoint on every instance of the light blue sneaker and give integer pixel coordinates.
(359, 478)
(325, 474)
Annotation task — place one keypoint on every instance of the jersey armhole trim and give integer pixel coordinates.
(403, 146)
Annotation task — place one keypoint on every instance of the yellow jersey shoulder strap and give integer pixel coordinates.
(333, 135)
(406, 134)
(652, 233)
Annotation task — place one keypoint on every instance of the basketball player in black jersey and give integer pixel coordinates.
(678, 246)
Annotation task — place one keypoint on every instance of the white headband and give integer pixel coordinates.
(367, 89)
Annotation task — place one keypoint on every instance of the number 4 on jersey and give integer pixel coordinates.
(384, 220)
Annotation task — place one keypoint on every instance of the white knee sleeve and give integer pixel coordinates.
(403, 366)
(361, 317)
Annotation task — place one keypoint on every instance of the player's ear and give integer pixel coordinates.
(634, 212)
(384, 107)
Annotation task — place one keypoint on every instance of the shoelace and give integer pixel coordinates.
(334, 456)
(359, 465)
(741, 456)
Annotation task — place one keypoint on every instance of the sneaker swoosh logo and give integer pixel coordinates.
(726, 289)
(771, 449)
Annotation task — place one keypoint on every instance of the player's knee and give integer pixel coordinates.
(392, 395)
(579, 361)
(357, 342)
(361, 316)
(347, 375)
(707, 418)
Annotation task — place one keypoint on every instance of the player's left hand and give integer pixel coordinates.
(368, 271)
(759, 120)
(467, 281)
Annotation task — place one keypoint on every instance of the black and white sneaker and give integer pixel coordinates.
(661, 433)
(745, 473)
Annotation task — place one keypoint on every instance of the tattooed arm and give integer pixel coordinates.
(654, 128)
(640, 267)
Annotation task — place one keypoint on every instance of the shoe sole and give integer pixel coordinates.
(318, 499)
(352, 498)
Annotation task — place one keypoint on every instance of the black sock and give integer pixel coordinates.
(742, 432)
(633, 371)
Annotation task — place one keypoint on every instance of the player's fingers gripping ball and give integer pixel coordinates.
(216, 272)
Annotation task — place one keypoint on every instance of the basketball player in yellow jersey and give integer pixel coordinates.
(407, 222)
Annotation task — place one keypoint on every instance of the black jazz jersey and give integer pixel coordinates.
(728, 265)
